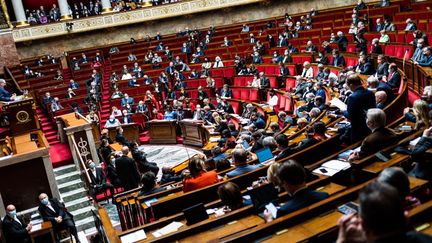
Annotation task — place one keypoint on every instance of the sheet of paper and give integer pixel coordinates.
(134, 237)
(327, 172)
(337, 165)
(414, 141)
(36, 227)
(272, 209)
(339, 104)
(172, 227)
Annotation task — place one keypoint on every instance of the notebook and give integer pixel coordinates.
(245, 145)
(264, 154)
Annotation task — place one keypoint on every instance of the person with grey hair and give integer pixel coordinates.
(248, 111)
(314, 113)
(381, 99)
(376, 48)
(270, 142)
(240, 160)
(380, 138)
(4, 94)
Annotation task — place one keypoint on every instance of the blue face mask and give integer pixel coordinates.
(12, 213)
(44, 201)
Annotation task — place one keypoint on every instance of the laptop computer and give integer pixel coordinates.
(264, 155)
(195, 214)
(263, 195)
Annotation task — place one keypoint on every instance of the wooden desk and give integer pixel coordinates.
(23, 144)
(46, 228)
(70, 120)
(378, 166)
(162, 131)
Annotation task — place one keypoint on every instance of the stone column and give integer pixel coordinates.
(106, 6)
(8, 50)
(51, 177)
(92, 145)
(64, 9)
(20, 16)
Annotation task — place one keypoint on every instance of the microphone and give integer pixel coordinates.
(404, 59)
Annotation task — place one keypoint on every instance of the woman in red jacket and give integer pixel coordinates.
(198, 177)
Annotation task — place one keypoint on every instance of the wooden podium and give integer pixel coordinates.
(162, 131)
(21, 116)
(130, 132)
(194, 133)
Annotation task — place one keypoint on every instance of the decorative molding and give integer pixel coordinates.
(124, 18)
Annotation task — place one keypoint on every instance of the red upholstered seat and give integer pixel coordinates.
(228, 72)
(289, 105)
(270, 70)
(389, 50)
(273, 82)
(245, 94)
(235, 106)
(290, 83)
(292, 69)
(236, 93)
(254, 95)
(351, 61)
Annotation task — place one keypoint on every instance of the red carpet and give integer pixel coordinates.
(60, 155)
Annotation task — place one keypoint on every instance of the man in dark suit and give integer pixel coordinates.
(54, 211)
(264, 84)
(338, 60)
(365, 67)
(380, 137)
(98, 180)
(382, 68)
(342, 41)
(358, 103)
(127, 170)
(226, 92)
(394, 77)
(4, 94)
(14, 228)
(293, 179)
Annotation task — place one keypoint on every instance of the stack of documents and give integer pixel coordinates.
(172, 227)
(332, 167)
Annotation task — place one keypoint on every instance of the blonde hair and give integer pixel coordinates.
(421, 112)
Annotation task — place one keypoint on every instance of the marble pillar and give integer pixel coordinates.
(8, 51)
(51, 177)
(64, 9)
(20, 16)
(106, 6)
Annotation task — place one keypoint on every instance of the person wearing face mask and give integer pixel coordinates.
(112, 122)
(418, 53)
(426, 59)
(98, 180)
(14, 228)
(55, 212)
(338, 60)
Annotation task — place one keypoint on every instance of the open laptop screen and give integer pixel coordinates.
(264, 154)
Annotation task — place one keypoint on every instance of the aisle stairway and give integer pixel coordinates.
(59, 153)
(75, 198)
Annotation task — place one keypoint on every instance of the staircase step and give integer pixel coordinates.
(84, 223)
(53, 142)
(74, 194)
(68, 177)
(50, 132)
(64, 169)
(70, 185)
(83, 213)
(77, 203)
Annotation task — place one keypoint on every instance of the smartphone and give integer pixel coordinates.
(348, 208)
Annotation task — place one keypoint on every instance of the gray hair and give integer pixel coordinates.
(376, 116)
(269, 141)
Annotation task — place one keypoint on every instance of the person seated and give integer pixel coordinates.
(257, 121)
(14, 228)
(226, 92)
(55, 212)
(170, 114)
(394, 77)
(381, 218)
(127, 100)
(127, 117)
(365, 67)
(376, 47)
(310, 47)
(269, 142)
(198, 177)
(421, 114)
(397, 178)
(292, 177)
(231, 197)
(384, 38)
(410, 25)
(219, 123)
(338, 59)
(426, 60)
(126, 76)
(112, 122)
(380, 138)
(239, 157)
(229, 141)
(307, 72)
(382, 68)
(273, 99)
(55, 105)
(92, 117)
(73, 85)
(148, 181)
(381, 99)
(256, 58)
(284, 120)
(98, 182)
(168, 175)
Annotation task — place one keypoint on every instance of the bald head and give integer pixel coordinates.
(125, 150)
(380, 97)
(10, 208)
